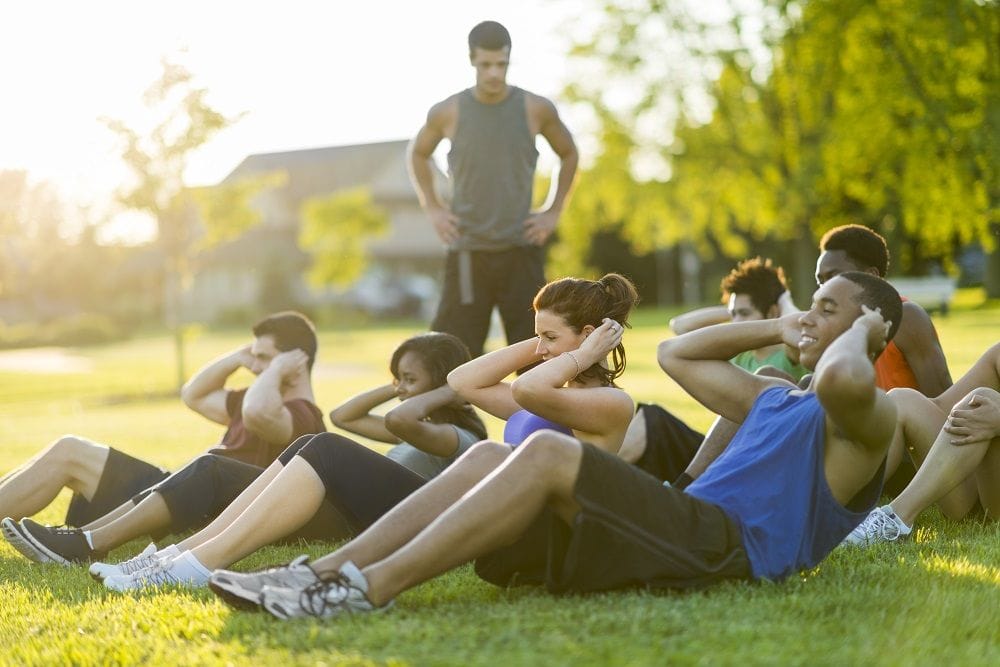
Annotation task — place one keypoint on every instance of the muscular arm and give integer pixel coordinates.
(540, 226)
(699, 362)
(355, 415)
(264, 410)
(845, 385)
(408, 422)
(205, 393)
(918, 341)
(421, 149)
(699, 319)
(481, 381)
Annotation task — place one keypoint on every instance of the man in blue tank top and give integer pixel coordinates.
(494, 241)
(800, 474)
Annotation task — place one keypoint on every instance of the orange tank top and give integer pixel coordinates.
(891, 369)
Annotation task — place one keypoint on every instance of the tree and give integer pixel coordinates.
(334, 231)
(157, 158)
(782, 119)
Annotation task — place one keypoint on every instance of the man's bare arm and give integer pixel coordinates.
(264, 410)
(918, 341)
(699, 362)
(420, 151)
(539, 227)
(845, 384)
(205, 392)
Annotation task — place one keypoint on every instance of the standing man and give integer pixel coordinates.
(494, 242)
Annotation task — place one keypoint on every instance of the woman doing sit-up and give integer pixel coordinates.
(578, 323)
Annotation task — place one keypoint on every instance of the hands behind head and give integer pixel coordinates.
(875, 326)
(244, 356)
(791, 329)
(291, 364)
(976, 418)
(601, 342)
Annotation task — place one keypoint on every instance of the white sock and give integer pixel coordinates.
(903, 528)
(188, 568)
(169, 551)
(89, 537)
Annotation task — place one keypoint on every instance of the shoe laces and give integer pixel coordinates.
(157, 573)
(136, 563)
(315, 599)
(881, 526)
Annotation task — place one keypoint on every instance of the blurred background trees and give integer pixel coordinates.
(755, 127)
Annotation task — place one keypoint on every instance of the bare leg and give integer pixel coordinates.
(117, 512)
(68, 462)
(405, 520)
(715, 442)
(147, 517)
(920, 420)
(634, 444)
(945, 467)
(495, 512)
(235, 509)
(284, 506)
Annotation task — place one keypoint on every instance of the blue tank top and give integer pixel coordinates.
(771, 481)
(522, 423)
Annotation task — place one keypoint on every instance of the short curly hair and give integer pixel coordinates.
(863, 246)
(758, 279)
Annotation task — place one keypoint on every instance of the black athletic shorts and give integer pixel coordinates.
(123, 476)
(631, 531)
(670, 443)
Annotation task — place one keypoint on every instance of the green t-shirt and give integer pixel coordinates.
(749, 361)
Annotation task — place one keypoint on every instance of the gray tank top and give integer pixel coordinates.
(492, 164)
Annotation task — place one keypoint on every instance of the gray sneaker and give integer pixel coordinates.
(242, 589)
(881, 525)
(345, 594)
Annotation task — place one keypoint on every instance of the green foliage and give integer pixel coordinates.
(928, 601)
(226, 208)
(334, 231)
(781, 120)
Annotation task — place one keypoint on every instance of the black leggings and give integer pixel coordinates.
(361, 484)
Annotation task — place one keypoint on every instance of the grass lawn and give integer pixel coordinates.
(932, 600)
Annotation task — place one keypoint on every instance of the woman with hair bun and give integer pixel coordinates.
(577, 355)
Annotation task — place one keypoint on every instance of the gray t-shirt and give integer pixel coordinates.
(427, 465)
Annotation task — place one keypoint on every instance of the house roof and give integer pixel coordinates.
(315, 171)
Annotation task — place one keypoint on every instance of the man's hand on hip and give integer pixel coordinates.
(539, 227)
(445, 224)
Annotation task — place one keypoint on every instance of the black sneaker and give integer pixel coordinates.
(16, 537)
(65, 546)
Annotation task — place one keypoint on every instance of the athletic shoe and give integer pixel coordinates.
(101, 571)
(66, 546)
(242, 589)
(12, 533)
(345, 594)
(881, 525)
(183, 570)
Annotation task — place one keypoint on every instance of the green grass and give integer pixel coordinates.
(933, 600)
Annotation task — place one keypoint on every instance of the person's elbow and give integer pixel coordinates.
(845, 383)
(679, 326)
(460, 382)
(526, 390)
(398, 424)
(666, 355)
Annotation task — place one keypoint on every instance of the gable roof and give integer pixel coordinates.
(314, 171)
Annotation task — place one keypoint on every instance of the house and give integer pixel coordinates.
(263, 268)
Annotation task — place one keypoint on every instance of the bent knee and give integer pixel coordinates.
(550, 447)
(74, 450)
(487, 452)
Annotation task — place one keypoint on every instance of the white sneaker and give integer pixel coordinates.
(101, 571)
(881, 525)
(345, 594)
(183, 569)
(242, 589)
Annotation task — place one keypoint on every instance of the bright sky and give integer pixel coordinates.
(308, 74)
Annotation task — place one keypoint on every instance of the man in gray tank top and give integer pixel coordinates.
(494, 241)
